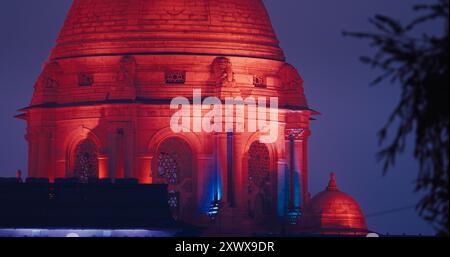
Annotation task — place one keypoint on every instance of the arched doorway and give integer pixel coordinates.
(260, 199)
(85, 161)
(173, 165)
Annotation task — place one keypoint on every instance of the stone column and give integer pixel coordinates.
(283, 188)
(103, 166)
(129, 152)
(144, 169)
(44, 154)
(61, 166)
(120, 145)
(238, 154)
(222, 165)
(33, 148)
(206, 182)
(296, 149)
(61, 154)
(231, 175)
(304, 170)
(112, 153)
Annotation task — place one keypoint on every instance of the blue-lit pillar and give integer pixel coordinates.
(283, 188)
(297, 169)
(240, 189)
(222, 165)
(207, 184)
(230, 170)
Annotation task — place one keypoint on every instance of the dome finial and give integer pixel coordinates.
(332, 185)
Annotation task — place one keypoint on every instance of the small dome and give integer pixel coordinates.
(334, 212)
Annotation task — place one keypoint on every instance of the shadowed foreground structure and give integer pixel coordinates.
(101, 204)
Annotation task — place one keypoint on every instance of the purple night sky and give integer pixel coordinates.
(344, 137)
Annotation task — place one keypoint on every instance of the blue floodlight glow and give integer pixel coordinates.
(86, 233)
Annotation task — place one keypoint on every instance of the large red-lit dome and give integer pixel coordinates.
(233, 28)
(101, 107)
(334, 212)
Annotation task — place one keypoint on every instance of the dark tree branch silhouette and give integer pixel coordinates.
(419, 63)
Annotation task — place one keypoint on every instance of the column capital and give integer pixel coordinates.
(297, 133)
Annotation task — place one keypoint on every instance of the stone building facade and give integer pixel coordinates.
(101, 106)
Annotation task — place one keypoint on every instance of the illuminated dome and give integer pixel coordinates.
(232, 28)
(151, 51)
(334, 212)
(101, 107)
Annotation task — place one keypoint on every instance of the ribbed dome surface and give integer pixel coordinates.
(204, 27)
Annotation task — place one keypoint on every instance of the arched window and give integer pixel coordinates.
(259, 182)
(168, 167)
(258, 166)
(86, 161)
(173, 166)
